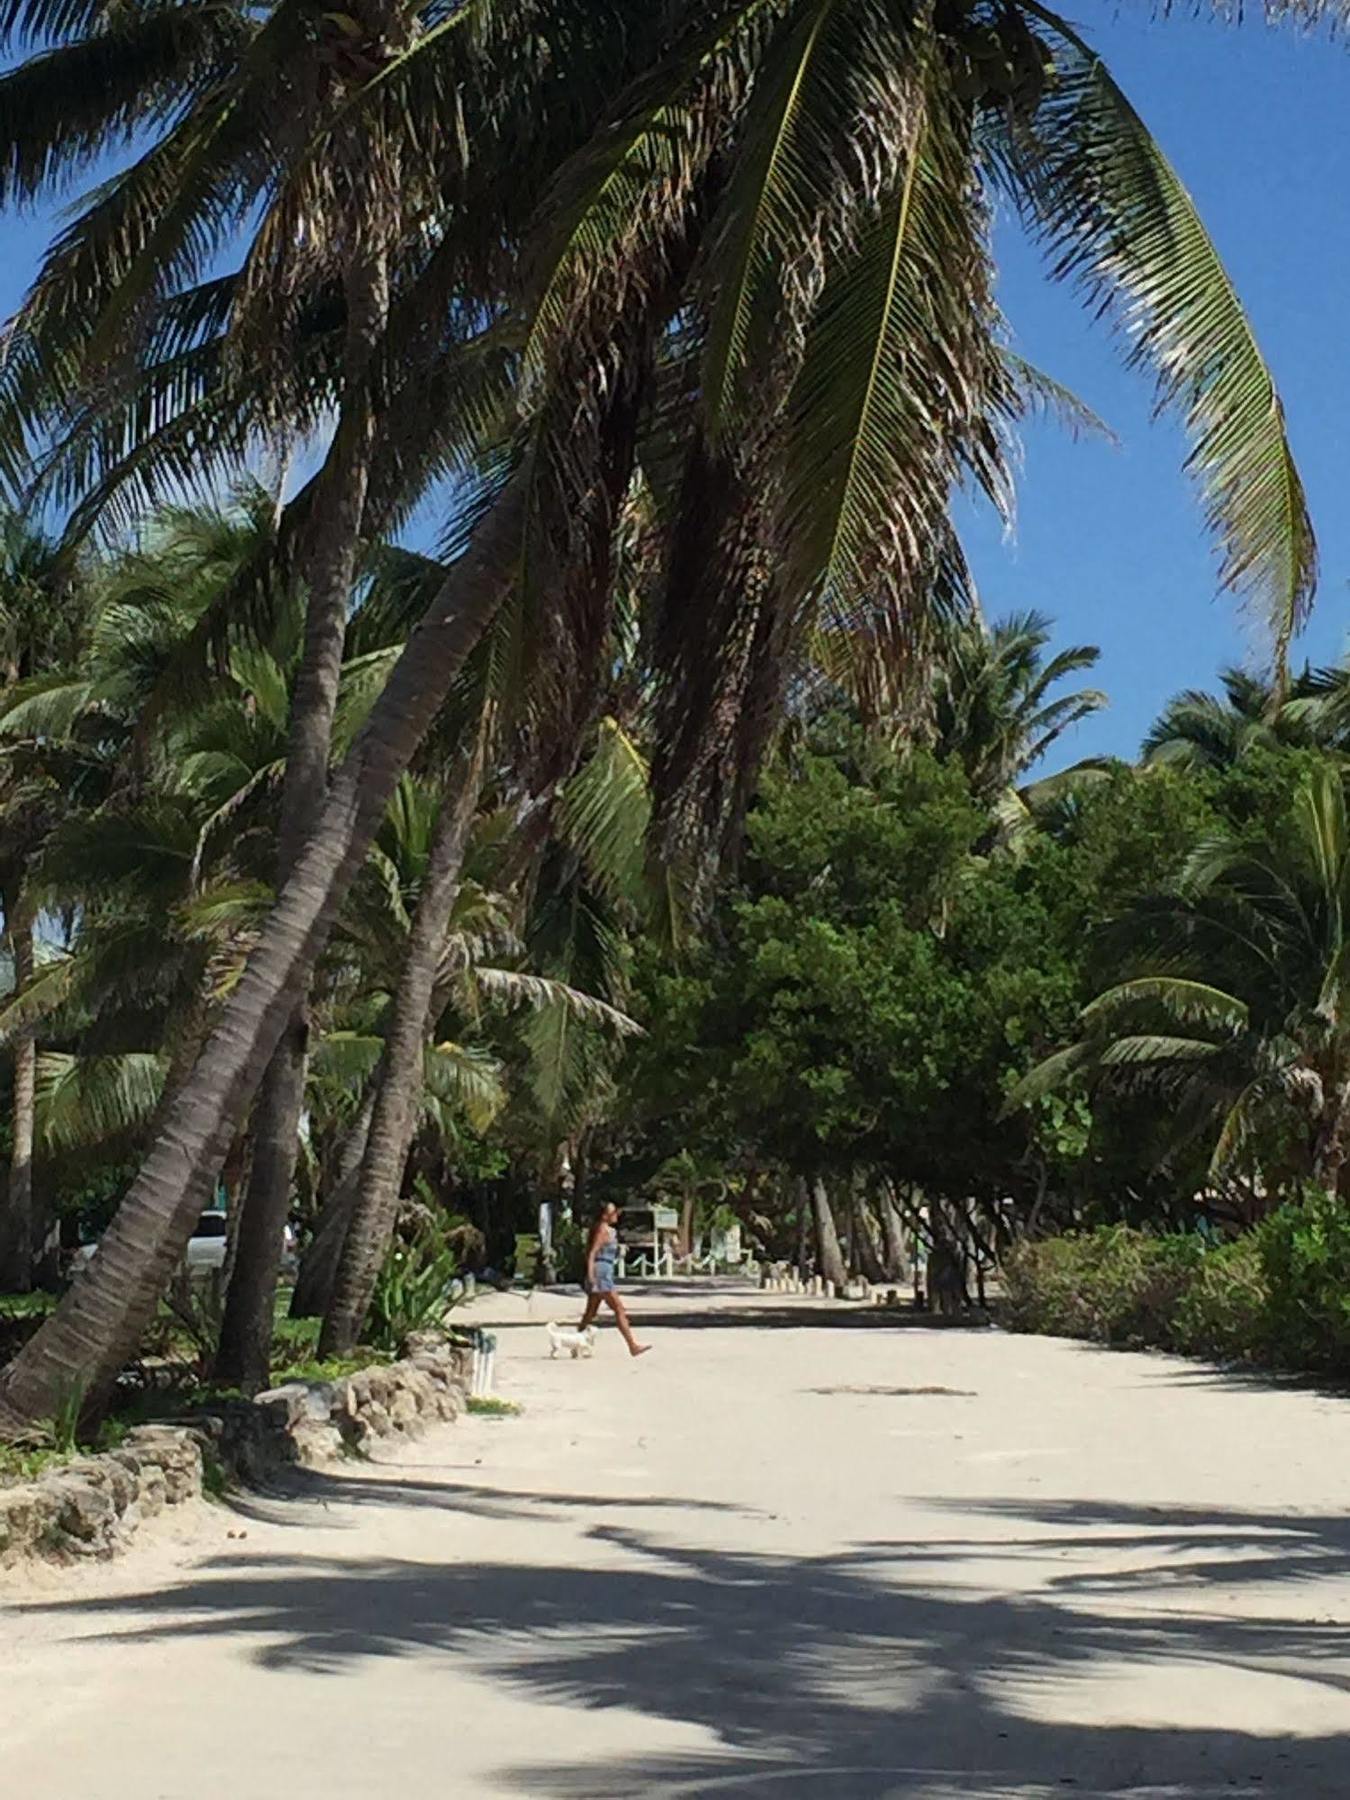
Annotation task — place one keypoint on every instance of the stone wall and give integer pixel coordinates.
(92, 1506)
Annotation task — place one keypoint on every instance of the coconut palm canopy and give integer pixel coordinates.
(691, 310)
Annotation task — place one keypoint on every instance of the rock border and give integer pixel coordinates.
(91, 1507)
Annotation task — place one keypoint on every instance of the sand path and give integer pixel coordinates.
(768, 1562)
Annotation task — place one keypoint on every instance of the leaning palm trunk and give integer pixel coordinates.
(96, 1327)
(319, 1264)
(376, 1208)
(245, 1354)
(829, 1257)
(16, 1269)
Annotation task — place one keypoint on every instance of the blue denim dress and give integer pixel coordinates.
(605, 1258)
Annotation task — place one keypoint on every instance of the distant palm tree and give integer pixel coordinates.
(1236, 1010)
(1198, 730)
(994, 712)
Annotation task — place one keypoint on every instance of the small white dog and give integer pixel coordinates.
(569, 1337)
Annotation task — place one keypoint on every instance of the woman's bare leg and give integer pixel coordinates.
(592, 1308)
(625, 1329)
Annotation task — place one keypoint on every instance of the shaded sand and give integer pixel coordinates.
(764, 1563)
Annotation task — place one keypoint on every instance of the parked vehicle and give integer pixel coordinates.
(207, 1247)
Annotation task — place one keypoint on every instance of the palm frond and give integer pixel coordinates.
(1053, 1072)
(85, 1100)
(467, 1077)
(514, 989)
(899, 391)
(826, 95)
(1191, 1001)
(1118, 221)
(1155, 1047)
(1038, 392)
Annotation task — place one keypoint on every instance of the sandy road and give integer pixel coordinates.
(794, 1553)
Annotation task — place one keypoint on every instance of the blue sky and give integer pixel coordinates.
(1108, 540)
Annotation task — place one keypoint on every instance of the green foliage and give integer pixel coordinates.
(1225, 998)
(412, 1292)
(1278, 1295)
(569, 1250)
(1305, 1257)
(1114, 1285)
(60, 1443)
(485, 1406)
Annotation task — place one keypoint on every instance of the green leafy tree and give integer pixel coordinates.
(1231, 1008)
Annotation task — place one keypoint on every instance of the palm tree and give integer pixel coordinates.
(569, 1000)
(993, 710)
(44, 600)
(1197, 730)
(770, 267)
(330, 152)
(1235, 1010)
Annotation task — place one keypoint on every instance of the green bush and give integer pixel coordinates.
(569, 1250)
(1114, 1285)
(1278, 1296)
(412, 1292)
(1305, 1254)
(1223, 1311)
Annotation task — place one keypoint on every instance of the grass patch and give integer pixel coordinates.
(26, 1465)
(335, 1368)
(215, 1481)
(27, 1306)
(28, 1462)
(484, 1408)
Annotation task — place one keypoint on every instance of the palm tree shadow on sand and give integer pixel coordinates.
(852, 1676)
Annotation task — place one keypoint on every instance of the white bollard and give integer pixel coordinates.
(829, 1290)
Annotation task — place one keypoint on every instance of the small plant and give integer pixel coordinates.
(413, 1292)
(335, 1368)
(569, 1251)
(65, 1426)
(215, 1478)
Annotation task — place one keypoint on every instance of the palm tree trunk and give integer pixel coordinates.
(319, 1264)
(829, 1258)
(391, 1130)
(684, 1236)
(16, 1272)
(97, 1325)
(1331, 1147)
(328, 569)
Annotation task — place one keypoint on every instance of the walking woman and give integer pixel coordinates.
(601, 1254)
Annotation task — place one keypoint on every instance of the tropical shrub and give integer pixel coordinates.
(1277, 1296)
(1305, 1256)
(1223, 1311)
(1114, 1285)
(569, 1250)
(413, 1289)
